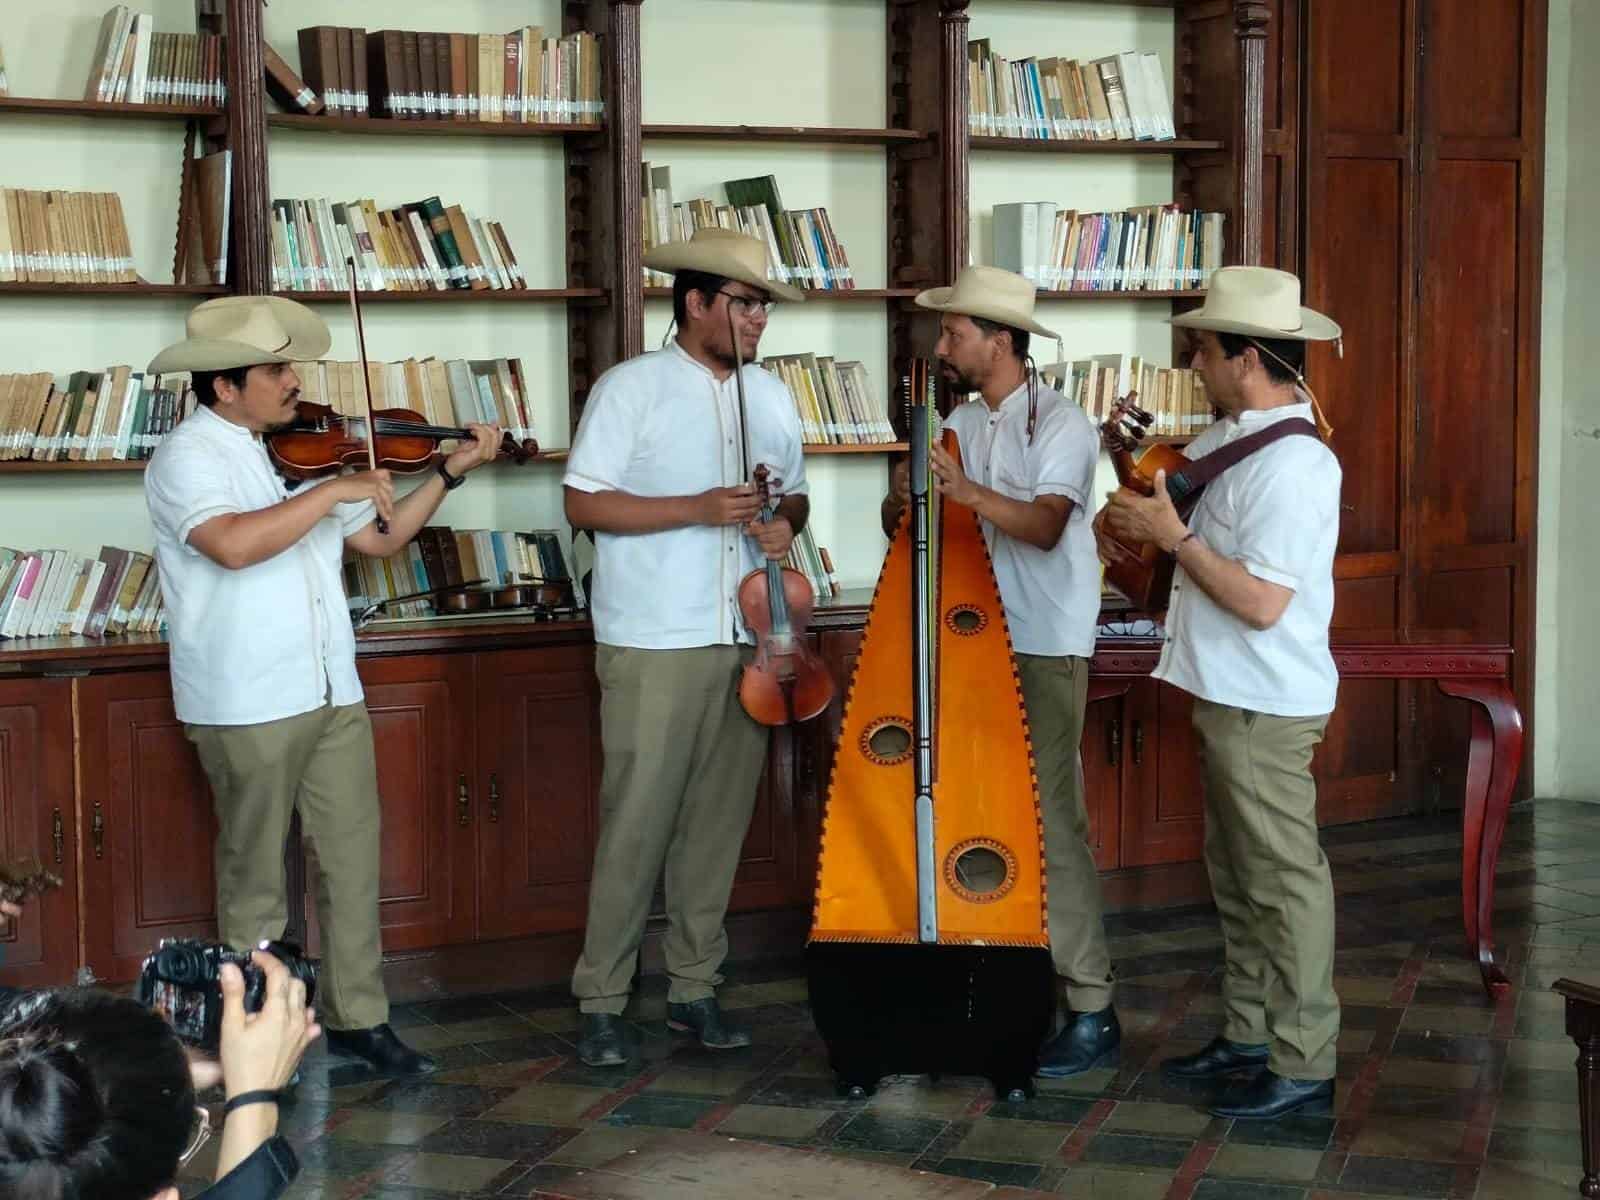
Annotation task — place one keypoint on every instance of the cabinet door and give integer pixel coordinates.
(147, 824)
(1163, 811)
(1103, 751)
(36, 818)
(536, 801)
(421, 731)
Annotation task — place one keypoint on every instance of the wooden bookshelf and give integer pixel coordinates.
(819, 135)
(1079, 146)
(27, 466)
(40, 107)
(454, 296)
(388, 126)
(1182, 294)
(824, 294)
(853, 448)
(111, 289)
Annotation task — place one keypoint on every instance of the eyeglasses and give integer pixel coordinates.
(201, 1134)
(747, 306)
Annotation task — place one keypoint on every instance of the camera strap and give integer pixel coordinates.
(244, 1098)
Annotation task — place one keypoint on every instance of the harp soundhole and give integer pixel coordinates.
(887, 741)
(981, 870)
(966, 619)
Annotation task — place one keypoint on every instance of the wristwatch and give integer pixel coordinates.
(451, 482)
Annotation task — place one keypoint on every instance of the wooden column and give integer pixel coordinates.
(1250, 27)
(251, 271)
(954, 167)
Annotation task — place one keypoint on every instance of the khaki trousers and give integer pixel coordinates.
(682, 762)
(1055, 692)
(321, 762)
(1272, 886)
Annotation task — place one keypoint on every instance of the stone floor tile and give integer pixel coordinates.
(1240, 1160)
(1011, 1141)
(772, 1121)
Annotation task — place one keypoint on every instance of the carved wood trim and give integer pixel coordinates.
(251, 253)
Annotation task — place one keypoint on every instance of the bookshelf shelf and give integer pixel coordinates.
(111, 289)
(1075, 146)
(874, 448)
(29, 467)
(825, 294)
(455, 296)
(819, 135)
(1188, 294)
(37, 106)
(438, 128)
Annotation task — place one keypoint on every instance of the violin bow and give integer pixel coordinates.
(366, 382)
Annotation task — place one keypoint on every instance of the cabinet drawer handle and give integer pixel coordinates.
(98, 828)
(1114, 741)
(57, 831)
(1138, 742)
(494, 798)
(463, 809)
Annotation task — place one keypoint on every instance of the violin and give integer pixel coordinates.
(321, 441)
(786, 681)
(20, 880)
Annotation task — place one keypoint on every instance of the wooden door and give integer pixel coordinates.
(535, 802)
(1103, 751)
(146, 824)
(1163, 808)
(421, 729)
(36, 821)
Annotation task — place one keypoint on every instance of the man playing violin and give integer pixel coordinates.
(1027, 470)
(657, 473)
(262, 650)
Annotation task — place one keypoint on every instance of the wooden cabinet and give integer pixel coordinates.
(145, 822)
(36, 821)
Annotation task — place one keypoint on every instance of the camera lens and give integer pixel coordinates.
(183, 964)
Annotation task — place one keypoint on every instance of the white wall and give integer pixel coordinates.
(705, 61)
(1567, 754)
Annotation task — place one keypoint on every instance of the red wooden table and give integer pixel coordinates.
(1476, 672)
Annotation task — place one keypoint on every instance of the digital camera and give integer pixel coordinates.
(182, 982)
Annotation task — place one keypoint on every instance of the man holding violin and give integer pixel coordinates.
(262, 650)
(657, 473)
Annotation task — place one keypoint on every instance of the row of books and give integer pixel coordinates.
(133, 64)
(5, 80)
(523, 75)
(448, 393)
(802, 247)
(98, 416)
(1154, 248)
(1121, 97)
(54, 593)
(64, 237)
(814, 562)
(441, 557)
(417, 247)
(1175, 396)
(834, 400)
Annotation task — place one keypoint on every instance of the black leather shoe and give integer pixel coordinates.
(704, 1019)
(1086, 1041)
(601, 1043)
(381, 1050)
(1269, 1096)
(1220, 1057)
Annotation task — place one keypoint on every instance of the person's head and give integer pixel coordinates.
(261, 398)
(96, 1101)
(1239, 371)
(702, 304)
(973, 352)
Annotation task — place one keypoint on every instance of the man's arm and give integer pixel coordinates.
(243, 539)
(412, 512)
(624, 512)
(1039, 521)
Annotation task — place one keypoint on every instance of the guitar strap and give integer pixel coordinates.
(1186, 485)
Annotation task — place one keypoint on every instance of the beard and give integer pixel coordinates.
(957, 381)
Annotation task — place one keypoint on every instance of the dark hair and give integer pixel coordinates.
(205, 382)
(1290, 351)
(95, 1098)
(685, 282)
(1019, 337)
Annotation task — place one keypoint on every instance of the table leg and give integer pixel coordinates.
(1588, 1097)
(1493, 760)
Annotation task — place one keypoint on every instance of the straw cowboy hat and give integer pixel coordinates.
(721, 252)
(989, 293)
(1258, 302)
(246, 331)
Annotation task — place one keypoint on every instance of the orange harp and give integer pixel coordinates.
(929, 950)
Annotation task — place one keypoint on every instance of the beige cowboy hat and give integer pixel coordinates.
(246, 331)
(1258, 302)
(723, 252)
(990, 293)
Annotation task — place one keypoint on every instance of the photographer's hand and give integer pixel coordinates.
(260, 1052)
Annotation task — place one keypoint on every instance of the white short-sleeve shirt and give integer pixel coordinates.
(259, 643)
(1051, 597)
(663, 425)
(1277, 513)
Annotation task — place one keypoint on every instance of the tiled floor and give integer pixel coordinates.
(1441, 1093)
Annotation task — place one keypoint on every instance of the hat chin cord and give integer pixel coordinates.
(1323, 428)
